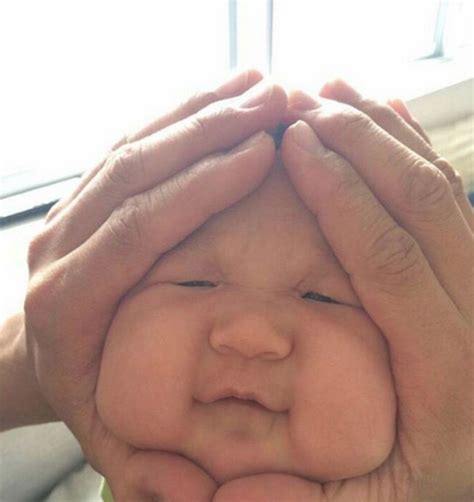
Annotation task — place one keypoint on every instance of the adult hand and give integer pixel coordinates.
(396, 216)
(147, 195)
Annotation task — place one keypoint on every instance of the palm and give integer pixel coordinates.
(423, 308)
(392, 481)
(430, 442)
(135, 474)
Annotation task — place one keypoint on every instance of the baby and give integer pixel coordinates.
(246, 350)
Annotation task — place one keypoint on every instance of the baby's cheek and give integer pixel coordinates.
(342, 420)
(143, 394)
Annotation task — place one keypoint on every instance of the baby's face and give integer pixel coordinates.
(232, 316)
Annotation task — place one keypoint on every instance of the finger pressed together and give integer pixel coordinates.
(236, 85)
(147, 196)
(137, 167)
(397, 121)
(418, 212)
(392, 220)
(151, 194)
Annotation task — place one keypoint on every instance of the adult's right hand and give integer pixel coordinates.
(147, 195)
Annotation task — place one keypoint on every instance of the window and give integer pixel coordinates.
(77, 75)
(351, 38)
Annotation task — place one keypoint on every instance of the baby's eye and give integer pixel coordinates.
(320, 298)
(197, 284)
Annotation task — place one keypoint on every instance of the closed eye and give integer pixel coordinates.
(320, 298)
(207, 284)
(197, 284)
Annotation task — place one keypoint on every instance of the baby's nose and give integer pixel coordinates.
(250, 336)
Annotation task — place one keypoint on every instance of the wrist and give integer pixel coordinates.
(22, 402)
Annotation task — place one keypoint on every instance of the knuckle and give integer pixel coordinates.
(37, 248)
(214, 117)
(39, 304)
(395, 258)
(346, 183)
(197, 101)
(125, 165)
(425, 188)
(348, 122)
(190, 186)
(350, 196)
(347, 191)
(379, 113)
(206, 125)
(453, 176)
(165, 192)
(124, 224)
(199, 127)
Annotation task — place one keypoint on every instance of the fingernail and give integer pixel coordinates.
(305, 137)
(301, 101)
(340, 89)
(233, 85)
(249, 142)
(257, 95)
(402, 108)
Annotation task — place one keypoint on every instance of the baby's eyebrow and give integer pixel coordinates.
(277, 134)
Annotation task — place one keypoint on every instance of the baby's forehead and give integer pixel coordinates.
(272, 220)
(267, 240)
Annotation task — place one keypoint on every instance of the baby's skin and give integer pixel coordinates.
(253, 305)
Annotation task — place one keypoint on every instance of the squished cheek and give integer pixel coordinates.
(342, 417)
(147, 373)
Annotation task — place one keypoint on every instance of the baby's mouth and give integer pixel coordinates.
(247, 403)
(233, 397)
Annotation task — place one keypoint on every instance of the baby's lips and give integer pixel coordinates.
(230, 392)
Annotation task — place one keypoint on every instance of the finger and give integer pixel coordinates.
(412, 190)
(85, 179)
(402, 126)
(234, 86)
(121, 252)
(271, 487)
(430, 342)
(401, 108)
(163, 476)
(393, 122)
(136, 235)
(145, 163)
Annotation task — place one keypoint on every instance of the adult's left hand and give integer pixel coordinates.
(397, 218)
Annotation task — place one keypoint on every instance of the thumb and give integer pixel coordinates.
(151, 475)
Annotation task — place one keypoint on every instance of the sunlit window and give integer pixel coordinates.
(77, 75)
(349, 38)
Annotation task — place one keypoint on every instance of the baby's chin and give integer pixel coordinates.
(239, 451)
(226, 461)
